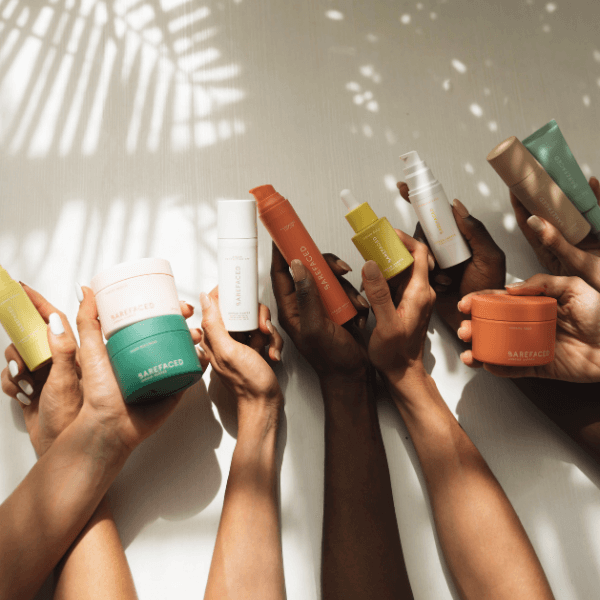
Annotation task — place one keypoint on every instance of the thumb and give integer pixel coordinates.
(542, 285)
(64, 349)
(215, 335)
(378, 293)
(310, 306)
(475, 232)
(576, 261)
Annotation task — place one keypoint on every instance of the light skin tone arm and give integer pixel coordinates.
(247, 560)
(362, 555)
(485, 546)
(57, 511)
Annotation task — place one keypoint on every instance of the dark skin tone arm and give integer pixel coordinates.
(362, 555)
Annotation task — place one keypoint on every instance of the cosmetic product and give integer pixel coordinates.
(551, 150)
(133, 291)
(23, 323)
(513, 330)
(154, 359)
(238, 264)
(294, 242)
(429, 201)
(536, 190)
(375, 238)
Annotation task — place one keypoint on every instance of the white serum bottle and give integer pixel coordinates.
(430, 202)
(237, 251)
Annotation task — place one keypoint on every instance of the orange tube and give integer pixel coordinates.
(292, 239)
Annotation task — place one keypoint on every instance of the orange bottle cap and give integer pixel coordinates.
(502, 307)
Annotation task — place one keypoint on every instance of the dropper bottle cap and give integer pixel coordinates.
(359, 215)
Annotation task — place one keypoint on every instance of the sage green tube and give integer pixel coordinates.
(551, 150)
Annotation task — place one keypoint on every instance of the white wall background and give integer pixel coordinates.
(123, 121)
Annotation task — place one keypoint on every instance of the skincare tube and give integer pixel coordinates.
(294, 242)
(429, 201)
(551, 150)
(238, 264)
(23, 323)
(536, 190)
(375, 238)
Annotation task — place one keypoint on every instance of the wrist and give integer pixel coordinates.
(258, 417)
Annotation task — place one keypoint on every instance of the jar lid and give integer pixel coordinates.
(502, 307)
(127, 270)
(136, 333)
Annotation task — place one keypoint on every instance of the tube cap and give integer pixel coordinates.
(127, 270)
(236, 219)
(502, 307)
(512, 161)
(593, 218)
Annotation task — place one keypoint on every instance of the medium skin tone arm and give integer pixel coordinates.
(362, 555)
(485, 546)
(247, 560)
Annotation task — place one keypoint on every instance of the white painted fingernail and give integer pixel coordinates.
(79, 293)
(56, 326)
(26, 387)
(13, 368)
(23, 399)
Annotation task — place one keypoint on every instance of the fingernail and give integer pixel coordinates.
(344, 265)
(363, 302)
(458, 306)
(462, 356)
(430, 262)
(13, 368)
(298, 271)
(23, 284)
(270, 327)
(460, 332)
(190, 306)
(371, 270)
(515, 285)
(276, 355)
(23, 399)
(443, 279)
(78, 293)
(56, 325)
(205, 301)
(26, 387)
(461, 209)
(362, 322)
(536, 224)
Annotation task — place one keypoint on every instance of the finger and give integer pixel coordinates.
(282, 282)
(203, 358)
(311, 310)
(275, 340)
(542, 284)
(378, 293)
(14, 361)
(93, 350)
(576, 261)
(336, 264)
(63, 348)
(418, 286)
(215, 336)
(595, 185)
(521, 215)
(420, 236)
(403, 189)
(467, 358)
(464, 304)
(196, 334)
(45, 308)
(465, 333)
(9, 387)
(187, 310)
(18, 374)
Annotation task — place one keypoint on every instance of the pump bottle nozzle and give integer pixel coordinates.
(349, 200)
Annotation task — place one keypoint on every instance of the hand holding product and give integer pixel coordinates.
(577, 349)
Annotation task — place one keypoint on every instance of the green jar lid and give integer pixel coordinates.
(593, 218)
(154, 359)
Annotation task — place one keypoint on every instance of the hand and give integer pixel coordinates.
(577, 352)
(242, 368)
(486, 269)
(332, 350)
(397, 342)
(554, 252)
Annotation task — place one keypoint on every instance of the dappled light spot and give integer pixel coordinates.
(353, 86)
(546, 28)
(334, 15)
(371, 37)
(597, 55)
(390, 182)
(509, 222)
(367, 130)
(586, 100)
(484, 190)
(433, 16)
(476, 109)
(390, 136)
(459, 66)
(447, 85)
(366, 70)
(373, 106)
(358, 99)
(469, 168)
(405, 19)
(493, 126)
(551, 7)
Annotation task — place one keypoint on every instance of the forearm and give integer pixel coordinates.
(95, 567)
(362, 555)
(486, 548)
(44, 515)
(247, 560)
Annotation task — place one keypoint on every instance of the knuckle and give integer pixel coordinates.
(303, 292)
(379, 294)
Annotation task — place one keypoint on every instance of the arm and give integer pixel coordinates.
(362, 555)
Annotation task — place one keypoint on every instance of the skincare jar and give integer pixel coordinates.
(154, 359)
(134, 291)
(513, 330)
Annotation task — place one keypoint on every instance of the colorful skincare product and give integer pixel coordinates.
(536, 190)
(375, 238)
(429, 201)
(294, 242)
(23, 323)
(515, 331)
(134, 291)
(154, 359)
(238, 264)
(551, 150)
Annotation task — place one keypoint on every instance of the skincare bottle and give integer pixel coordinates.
(429, 201)
(238, 264)
(294, 242)
(375, 238)
(23, 323)
(536, 190)
(551, 150)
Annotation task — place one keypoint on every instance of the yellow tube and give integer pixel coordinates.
(23, 323)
